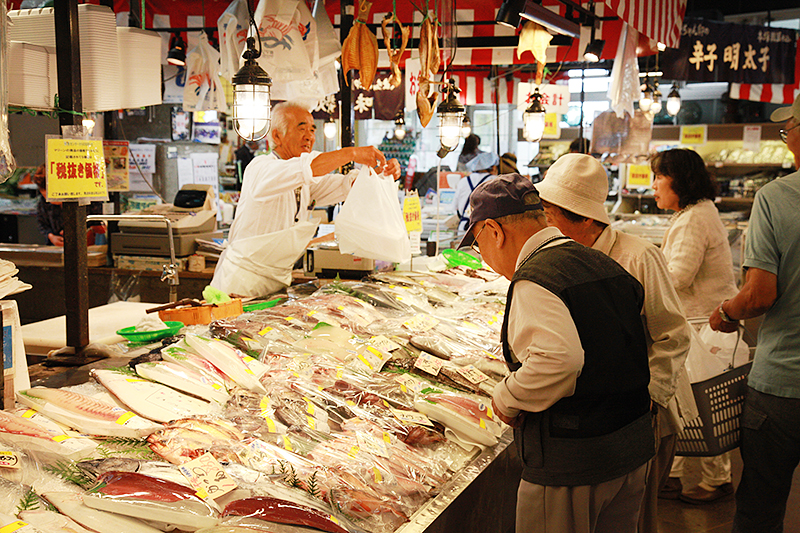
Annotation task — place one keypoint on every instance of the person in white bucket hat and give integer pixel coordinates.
(573, 195)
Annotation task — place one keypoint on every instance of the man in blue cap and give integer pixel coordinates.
(481, 168)
(573, 338)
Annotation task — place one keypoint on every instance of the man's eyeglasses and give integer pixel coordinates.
(785, 133)
(474, 244)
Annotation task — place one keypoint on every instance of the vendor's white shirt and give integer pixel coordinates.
(268, 203)
(544, 339)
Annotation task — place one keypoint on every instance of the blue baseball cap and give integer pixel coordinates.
(500, 196)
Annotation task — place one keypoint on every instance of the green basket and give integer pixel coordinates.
(456, 258)
(132, 335)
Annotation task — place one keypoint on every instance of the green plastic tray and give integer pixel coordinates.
(147, 336)
(456, 258)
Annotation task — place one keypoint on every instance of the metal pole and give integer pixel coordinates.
(346, 110)
(76, 277)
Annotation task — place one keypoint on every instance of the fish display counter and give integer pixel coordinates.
(365, 406)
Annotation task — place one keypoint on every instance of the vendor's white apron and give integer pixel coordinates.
(261, 265)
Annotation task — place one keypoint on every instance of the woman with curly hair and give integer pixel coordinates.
(700, 264)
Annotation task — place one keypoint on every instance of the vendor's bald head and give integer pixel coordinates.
(505, 212)
(293, 131)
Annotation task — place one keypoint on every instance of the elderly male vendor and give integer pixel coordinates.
(573, 338)
(278, 191)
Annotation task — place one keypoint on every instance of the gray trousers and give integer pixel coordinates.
(609, 507)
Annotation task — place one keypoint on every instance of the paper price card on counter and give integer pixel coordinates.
(420, 323)
(372, 444)
(408, 383)
(76, 168)
(207, 476)
(8, 459)
(429, 363)
(383, 343)
(412, 417)
(472, 374)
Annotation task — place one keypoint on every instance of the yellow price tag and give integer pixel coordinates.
(378, 476)
(353, 451)
(265, 331)
(287, 444)
(29, 413)
(124, 418)
(13, 526)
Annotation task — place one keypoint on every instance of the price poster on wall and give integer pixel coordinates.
(693, 134)
(639, 176)
(117, 176)
(76, 169)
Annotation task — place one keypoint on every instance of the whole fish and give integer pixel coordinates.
(34, 432)
(187, 359)
(151, 400)
(183, 379)
(227, 359)
(284, 512)
(11, 523)
(51, 522)
(71, 504)
(157, 469)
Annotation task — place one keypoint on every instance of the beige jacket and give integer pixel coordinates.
(664, 320)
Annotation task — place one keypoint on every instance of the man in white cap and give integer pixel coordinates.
(771, 417)
(577, 394)
(481, 167)
(573, 195)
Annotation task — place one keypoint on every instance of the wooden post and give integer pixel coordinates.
(76, 277)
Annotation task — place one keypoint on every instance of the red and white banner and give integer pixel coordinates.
(775, 93)
(660, 20)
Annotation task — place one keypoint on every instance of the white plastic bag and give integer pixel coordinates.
(289, 47)
(370, 223)
(711, 353)
(203, 90)
(232, 26)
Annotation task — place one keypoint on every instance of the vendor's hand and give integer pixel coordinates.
(513, 422)
(717, 324)
(55, 240)
(368, 155)
(392, 168)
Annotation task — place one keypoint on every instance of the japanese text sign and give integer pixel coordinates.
(76, 168)
(737, 53)
(555, 98)
(693, 134)
(207, 476)
(116, 154)
(639, 176)
(412, 213)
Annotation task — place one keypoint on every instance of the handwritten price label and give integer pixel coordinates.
(420, 323)
(412, 417)
(8, 459)
(371, 444)
(206, 475)
(429, 363)
(472, 374)
(408, 383)
(384, 343)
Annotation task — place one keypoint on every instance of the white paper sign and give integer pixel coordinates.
(429, 363)
(412, 82)
(185, 171)
(144, 156)
(555, 98)
(751, 139)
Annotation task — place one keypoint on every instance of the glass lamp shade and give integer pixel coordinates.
(533, 126)
(451, 114)
(533, 118)
(657, 104)
(466, 127)
(646, 100)
(251, 99)
(329, 128)
(450, 129)
(673, 102)
(399, 126)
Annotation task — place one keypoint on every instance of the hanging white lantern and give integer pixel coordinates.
(451, 114)
(533, 118)
(329, 128)
(399, 126)
(251, 96)
(673, 101)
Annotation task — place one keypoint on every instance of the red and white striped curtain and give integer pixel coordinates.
(660, 20)
(776, 93)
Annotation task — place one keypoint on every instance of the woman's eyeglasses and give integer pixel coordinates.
(785, 133)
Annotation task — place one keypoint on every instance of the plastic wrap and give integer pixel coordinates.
(183, 440)
(270, 509)
(41, 437)
(185, 380)
(152, 499)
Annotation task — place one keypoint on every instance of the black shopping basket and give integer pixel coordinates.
(719, 402)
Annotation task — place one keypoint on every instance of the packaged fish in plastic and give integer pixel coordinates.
(71, 504)
(41, 437)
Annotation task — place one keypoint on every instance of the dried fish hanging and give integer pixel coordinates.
(360, 48)
(429, 66)
(395, 54)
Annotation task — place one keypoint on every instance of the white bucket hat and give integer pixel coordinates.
(782, 114)
(577, 183)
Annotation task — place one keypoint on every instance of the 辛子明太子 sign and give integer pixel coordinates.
(75, 169)
(736, 53)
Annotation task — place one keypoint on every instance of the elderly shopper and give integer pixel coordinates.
(573, 194)
(577, 394)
